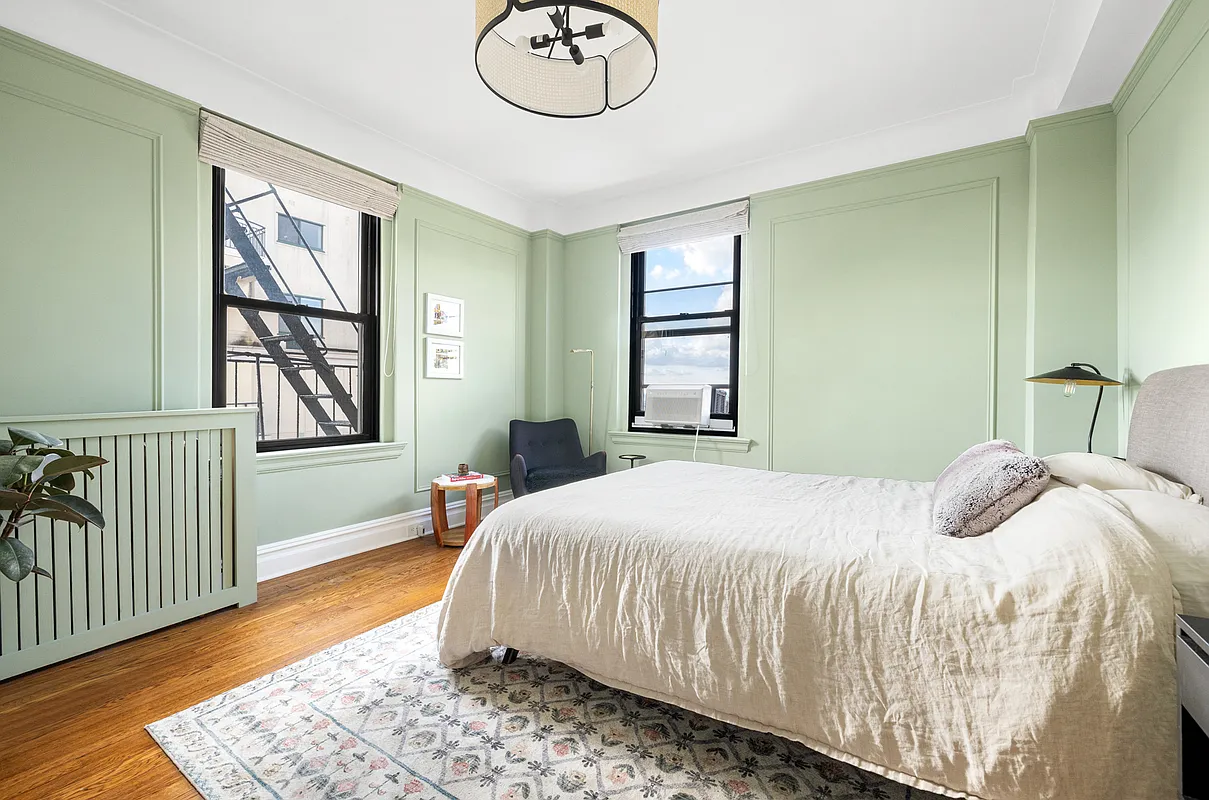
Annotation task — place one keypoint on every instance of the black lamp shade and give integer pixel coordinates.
(1076, 375)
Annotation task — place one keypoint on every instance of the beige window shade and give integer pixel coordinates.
(727, 220)
(230, 145)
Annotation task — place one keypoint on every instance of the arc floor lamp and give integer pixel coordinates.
(1079, 374)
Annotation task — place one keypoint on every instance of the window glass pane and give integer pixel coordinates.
(711, 261)
(299, 232)
(279, 365)
(689, 301)
(687, 360)
(277, 267)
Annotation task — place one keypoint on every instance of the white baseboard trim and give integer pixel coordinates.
(282, 558)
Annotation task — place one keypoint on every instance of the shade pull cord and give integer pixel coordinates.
(391, 327)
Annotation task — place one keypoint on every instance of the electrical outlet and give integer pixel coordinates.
(416, 531)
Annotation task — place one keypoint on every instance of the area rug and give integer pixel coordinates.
(379, 716)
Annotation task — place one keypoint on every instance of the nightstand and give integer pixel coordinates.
(1192, 658)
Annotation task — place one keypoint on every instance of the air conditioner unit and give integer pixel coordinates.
(685, 406)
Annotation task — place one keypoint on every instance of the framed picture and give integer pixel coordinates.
(444, 316)
(443, 358)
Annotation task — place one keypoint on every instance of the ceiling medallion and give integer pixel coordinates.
(575, 59)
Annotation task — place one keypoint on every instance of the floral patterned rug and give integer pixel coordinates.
(379, 716)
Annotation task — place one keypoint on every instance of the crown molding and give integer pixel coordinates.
(1159, 38)
(1069, 118)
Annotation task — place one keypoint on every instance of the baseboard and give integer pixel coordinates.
(304, 552)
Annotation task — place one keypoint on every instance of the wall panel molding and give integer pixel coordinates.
(422, 482)
(992, 187)
(159, 256)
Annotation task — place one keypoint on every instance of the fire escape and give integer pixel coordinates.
(301, 350)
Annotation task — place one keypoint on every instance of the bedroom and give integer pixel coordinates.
(929, 206)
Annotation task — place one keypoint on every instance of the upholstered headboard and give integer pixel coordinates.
(1169, 429)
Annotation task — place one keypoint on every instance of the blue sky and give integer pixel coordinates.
(699, 359)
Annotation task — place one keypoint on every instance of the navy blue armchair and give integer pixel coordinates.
(548, 454)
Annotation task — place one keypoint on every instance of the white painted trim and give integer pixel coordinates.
(285, 461)
(282, 558)
(712, 444)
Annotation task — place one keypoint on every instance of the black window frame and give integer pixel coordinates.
(296, 224)
(369, 364)
(638, 320)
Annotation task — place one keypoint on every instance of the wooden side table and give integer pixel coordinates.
(474, 507)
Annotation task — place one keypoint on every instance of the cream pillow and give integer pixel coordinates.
(1179, 533)
(1106, 474)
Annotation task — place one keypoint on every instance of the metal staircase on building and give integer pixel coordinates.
(311, 353)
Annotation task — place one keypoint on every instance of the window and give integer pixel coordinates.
(684, 331)
(296, 328)
(299, 232)
(315, 327)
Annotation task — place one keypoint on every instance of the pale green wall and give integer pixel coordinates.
(105, 277)
(1072, 276)
(1163, 199)
(890, 317)
(882, 322)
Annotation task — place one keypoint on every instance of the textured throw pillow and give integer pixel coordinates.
(983, 487)
(1108, 474)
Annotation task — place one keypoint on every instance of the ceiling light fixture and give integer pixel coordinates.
(575, 59)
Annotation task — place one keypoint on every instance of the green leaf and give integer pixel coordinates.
(58, 451)
(16, 560)
(64, 482)
(22, 436)
(61, 514)
(11, 499)
(70, 508)
(14, 468)
(42, 572)
(6, 447)
(64, 465)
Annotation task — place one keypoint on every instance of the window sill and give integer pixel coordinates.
(718, 444)
(290, 460)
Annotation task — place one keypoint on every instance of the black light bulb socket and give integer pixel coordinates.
(577, 55)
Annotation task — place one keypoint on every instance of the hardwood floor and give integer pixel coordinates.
(75, 730)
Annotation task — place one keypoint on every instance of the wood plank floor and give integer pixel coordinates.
(75, 730)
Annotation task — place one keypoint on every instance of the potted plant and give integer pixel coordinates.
(36, 480)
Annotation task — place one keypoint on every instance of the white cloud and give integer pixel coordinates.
(726, 300)
(708, 259)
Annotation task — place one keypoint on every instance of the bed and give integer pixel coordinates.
(1034, 662)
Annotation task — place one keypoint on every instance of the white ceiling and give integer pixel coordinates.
(750, 96)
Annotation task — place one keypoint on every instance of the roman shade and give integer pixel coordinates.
(227, 144)
(727, 220)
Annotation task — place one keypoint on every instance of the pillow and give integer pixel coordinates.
(1179, 533)
(1106, 474)
(983, 487)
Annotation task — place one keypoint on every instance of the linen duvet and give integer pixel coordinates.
(1035, 662)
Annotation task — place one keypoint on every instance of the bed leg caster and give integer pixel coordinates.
(509, 656)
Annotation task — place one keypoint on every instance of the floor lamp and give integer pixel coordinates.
(591, 396)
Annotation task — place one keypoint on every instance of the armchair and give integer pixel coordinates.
(548, 454)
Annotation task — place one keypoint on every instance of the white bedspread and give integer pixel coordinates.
(1035, 662)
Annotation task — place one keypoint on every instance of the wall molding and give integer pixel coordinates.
(60, 58)
(520, 372)
(269, 463)
(293, 555)
(469, 213)
(1065, 120)
(941, 159)
(991, 184)
(1149, 52)
(158, 247)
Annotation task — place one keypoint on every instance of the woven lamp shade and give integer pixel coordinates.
(616, 70)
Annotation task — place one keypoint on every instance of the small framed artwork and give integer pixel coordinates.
(444, 316)
(443, 358)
